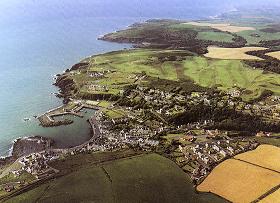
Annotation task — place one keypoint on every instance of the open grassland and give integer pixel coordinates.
(147, 178)
(272, 198)
(238, 181)
(275, 54)
(130, 62)
(255, 36)
(215, 36)
(222, 26)
(270, 157)
(233, 53)
(226, 74)
(114, 114)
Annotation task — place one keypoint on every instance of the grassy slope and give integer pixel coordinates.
(206, 72)
(149, 178)
(215, 36)
(265, 36)
(228, 73)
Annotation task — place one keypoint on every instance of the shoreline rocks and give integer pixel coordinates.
(27, 145)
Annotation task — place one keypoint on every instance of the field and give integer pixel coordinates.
(224, 74)
(147, 178)
(270, 157)
(236, 179)
(274, 54)
(233, 53)
(223, 27)
(255, 36)
(15, 166)
(274, 197)
(215, 36)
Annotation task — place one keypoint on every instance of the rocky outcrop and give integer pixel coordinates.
(28, 145)
(79, 66)
(67, 86)
(25, 146)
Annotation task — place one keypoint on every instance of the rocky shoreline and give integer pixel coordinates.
(27, 145)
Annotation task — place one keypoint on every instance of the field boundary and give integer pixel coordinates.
(256, 165)
(271, 191)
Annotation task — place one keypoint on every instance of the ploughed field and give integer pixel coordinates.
(247, 177)
(146, 178)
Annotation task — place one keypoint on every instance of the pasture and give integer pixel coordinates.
(147, 178)
(127, 67)
(215, 36)
(226, 74)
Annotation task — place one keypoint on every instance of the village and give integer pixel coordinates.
(199, 159)
(139, 119)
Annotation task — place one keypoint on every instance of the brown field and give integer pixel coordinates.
(233, 53)
(274, 197)
(275, 54)
(239, 181)
(270, 157)
(223, 27)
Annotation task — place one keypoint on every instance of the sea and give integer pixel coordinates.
(40, 38)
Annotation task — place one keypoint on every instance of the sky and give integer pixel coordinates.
(112, 7)
(26, 10)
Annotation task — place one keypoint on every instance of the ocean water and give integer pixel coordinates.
(39, 39)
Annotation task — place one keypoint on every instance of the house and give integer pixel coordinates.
(9, 188)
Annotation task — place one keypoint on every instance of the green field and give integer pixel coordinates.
(147, 178)
(265, 36)
(223, 74)
(226, 74)
(215, 36)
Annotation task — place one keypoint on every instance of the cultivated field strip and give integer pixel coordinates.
(249, 177)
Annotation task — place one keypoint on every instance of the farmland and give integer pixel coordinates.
(224, 74)
(274, 54)
(270, 157)
(274, 197)
(222, 27)
(215, 36)
(232, 53)
(255, 36)
(235, 179)
(138, 179)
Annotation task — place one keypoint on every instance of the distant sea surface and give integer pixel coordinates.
(39, 39)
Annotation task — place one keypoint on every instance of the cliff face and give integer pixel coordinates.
(66, 85)
(79, 66)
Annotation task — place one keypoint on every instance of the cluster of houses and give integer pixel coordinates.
(98, 74)
(37, 164)
(199, 159)
(136, 135)
(98, 88)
